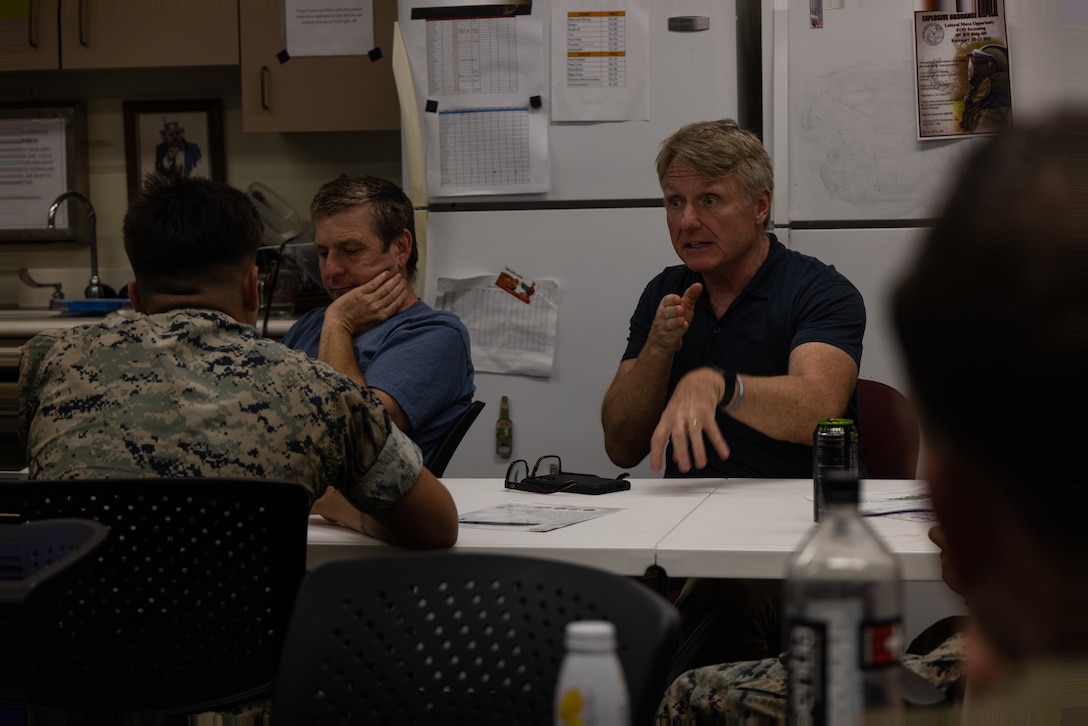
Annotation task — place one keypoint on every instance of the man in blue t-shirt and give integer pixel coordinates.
(731, 360)
(415, 359)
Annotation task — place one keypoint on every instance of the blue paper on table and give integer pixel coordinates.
(93, 306)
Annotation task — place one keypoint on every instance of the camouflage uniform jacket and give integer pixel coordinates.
(754, 692)
(193, 393)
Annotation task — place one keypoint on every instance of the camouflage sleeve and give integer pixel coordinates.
(754, 692)
(30, 360)
(383, 464)
(751, 692)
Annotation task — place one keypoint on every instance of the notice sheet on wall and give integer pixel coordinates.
(33, 172)
(508, 333)
(329, 27)
(600, 60)
(962, 69)
(479, 81)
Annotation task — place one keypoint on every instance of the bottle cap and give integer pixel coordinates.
(840, 486)
(592, 635)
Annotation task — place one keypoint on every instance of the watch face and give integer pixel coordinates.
(933, 33)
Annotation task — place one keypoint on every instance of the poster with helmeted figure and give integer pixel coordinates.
(962, 66)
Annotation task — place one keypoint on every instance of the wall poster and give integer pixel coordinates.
(962, 71)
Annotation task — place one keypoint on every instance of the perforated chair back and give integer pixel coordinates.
(34, 557)
(459, 638)
(184, 607)
(888, 434)
(440, 459)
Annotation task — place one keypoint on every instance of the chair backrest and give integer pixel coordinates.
(888, 432)
(32, 553)
(440, 459)
(459, 637)
(34, 558)
(184, 607)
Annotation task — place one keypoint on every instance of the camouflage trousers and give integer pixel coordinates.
(754, 692)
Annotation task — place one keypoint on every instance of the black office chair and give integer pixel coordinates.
(458, 638)
(184, 608)
(440, 459)
(34, 559)
(889, 437)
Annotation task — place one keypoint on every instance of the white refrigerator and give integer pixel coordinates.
(853, 184)
(598, 230)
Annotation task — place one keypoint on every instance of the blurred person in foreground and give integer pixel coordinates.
(188, 388)
(377, 331)
(992, 320)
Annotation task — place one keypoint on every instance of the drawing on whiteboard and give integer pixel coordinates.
(859, 141)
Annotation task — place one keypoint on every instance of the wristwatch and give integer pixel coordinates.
(730, 384)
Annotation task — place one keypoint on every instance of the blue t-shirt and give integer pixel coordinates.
(420, 356)
(791, 300)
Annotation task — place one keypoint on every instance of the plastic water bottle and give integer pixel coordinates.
(591, 689)
(843, 612)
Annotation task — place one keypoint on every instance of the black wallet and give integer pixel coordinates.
(566, 481)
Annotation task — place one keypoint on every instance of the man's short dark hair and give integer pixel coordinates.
(993, 321)
(390, 208)
(186, 234)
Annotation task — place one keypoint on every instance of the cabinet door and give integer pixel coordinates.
(148, 34)
(30, 43)
(325, 93)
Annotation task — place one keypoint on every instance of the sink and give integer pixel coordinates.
(28, 314)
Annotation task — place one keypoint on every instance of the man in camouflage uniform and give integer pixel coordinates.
(187, 387)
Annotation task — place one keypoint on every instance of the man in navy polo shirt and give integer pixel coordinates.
(734, 355)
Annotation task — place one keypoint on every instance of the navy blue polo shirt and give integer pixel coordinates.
(791, 300)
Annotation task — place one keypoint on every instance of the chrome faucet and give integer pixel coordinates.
(95, 288)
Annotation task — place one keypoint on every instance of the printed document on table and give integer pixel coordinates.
(508, 335)
(913, 501)
(329, 27)
(958, 96)
(481, 88)
(530, 516)
(600, 60)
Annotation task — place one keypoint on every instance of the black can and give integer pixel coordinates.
(834, 446)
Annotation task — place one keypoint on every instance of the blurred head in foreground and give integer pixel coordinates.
(992, 319)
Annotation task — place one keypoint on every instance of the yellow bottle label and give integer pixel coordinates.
(572, 708)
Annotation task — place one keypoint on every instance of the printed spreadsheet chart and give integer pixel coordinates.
(484, 146)
(474, 55)
(597, 49)
(501, 321)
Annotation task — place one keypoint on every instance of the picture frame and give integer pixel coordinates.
(183, 136)
(45, 155)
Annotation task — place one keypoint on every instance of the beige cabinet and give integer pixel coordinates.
(99, 34)
(31, 43)
(326, 93)
(148, 34)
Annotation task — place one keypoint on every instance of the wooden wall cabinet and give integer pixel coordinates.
(32, 45)
(102, 34)
(326, 93)
(148, 34)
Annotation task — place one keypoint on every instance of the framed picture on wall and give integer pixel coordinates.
(173, 138)
(44, 155)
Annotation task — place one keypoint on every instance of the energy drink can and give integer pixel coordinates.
(834, 446)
